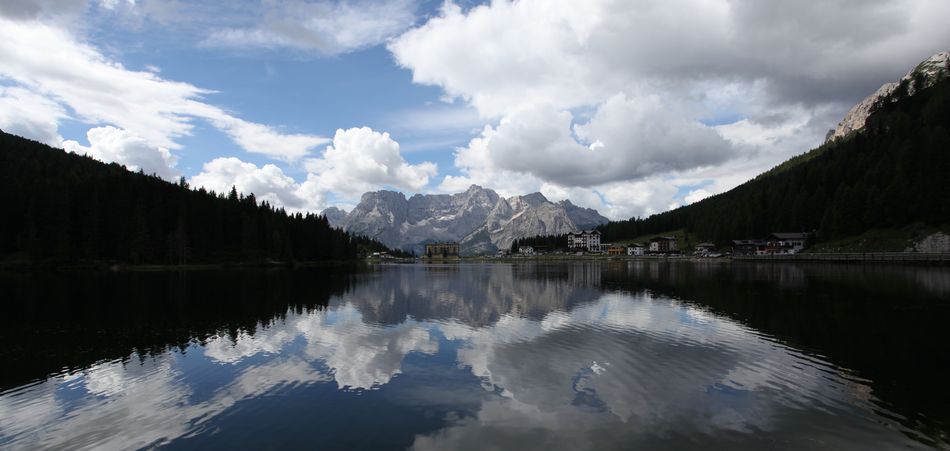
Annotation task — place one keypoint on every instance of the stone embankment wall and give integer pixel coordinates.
(883, 257)
(933, 244)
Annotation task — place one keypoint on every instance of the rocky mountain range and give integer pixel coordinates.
(923, 76)
(480, 219)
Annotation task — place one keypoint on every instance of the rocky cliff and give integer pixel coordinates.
(480, 219)
(923, 76)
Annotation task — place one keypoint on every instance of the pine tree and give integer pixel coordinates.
(140, 244)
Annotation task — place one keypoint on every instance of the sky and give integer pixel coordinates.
(631, 107)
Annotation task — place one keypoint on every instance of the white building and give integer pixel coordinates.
(588, 240)
(526, 250)
(635, 249)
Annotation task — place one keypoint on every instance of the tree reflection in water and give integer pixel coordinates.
(578, 355)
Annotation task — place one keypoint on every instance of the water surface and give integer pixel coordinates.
(586, 355)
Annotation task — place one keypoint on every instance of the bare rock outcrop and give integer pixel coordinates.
(923, 76)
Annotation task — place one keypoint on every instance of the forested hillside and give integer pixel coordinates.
(62, 207)
(893, 173)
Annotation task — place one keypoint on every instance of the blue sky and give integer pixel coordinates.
(310, 103)
(291, 89)
(300, 95)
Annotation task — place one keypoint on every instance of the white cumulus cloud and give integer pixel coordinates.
(25, 113)
(267, 183)
(570, 53)
(358, 160)
(361, 159)
(114, 145)
(630, 138)
(635, 99)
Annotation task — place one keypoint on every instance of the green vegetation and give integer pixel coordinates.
(66, 209)
(877, 240)
(889, 176)
(541, 242)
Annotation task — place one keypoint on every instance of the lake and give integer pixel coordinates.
(580, 355)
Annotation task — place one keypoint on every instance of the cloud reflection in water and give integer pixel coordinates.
(563, 364)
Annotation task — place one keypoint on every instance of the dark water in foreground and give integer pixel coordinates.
(587, 355)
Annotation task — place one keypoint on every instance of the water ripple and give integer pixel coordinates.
(607, 369)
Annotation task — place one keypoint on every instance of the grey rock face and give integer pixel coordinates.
(518, 217)
(543, 219)
(583, 218)
(521, 203)
(335, 216)
(456, 214)
(858, 115)
(478, 218)
(379, 215)
(923, 76)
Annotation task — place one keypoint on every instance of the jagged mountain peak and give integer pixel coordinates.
(519, 203)
(382, 194)
(478, 217)
(478, 193)
(934, 66)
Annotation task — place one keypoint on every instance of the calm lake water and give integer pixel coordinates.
(586, 355)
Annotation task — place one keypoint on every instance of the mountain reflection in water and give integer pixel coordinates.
(587, 355)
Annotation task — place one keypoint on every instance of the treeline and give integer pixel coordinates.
(894, 173)
(549, 242)
(62, 207)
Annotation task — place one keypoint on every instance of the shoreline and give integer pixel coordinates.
(845, 257)
(103, 266)
(932, 259)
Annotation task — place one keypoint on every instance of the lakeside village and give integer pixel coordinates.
(588, 243)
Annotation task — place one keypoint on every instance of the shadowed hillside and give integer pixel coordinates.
(60, 207)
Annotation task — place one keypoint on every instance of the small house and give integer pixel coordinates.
(616, 249)
(636, 249)
(786, 243)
